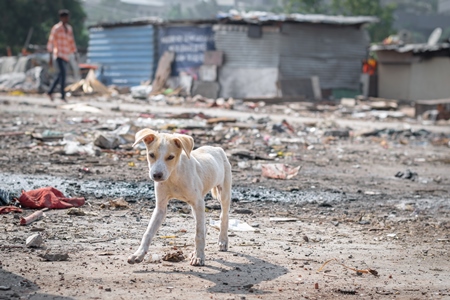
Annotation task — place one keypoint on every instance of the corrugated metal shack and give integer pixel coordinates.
(126, 51)
(264, 55)
(269, 55)
(413, 71)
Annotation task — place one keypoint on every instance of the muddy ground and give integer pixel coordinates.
(345, 203)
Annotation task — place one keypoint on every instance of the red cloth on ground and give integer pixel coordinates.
(8, 209)
(48, 197)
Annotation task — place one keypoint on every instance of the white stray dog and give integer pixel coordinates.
(186, 175)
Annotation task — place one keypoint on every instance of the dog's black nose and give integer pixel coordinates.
(158, 176)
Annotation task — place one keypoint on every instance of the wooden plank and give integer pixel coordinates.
(162, 72)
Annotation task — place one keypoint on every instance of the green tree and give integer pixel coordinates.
(377, 31)
(305, 6)
(205, 9)
(18, 16)
(418, 6)
(175, 12)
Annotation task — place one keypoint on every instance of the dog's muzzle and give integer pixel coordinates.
(157, 176)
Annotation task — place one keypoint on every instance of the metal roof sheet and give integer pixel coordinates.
(415, 48)
(264, 17)
(252, 17)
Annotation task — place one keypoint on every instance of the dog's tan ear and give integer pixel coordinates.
(146, 134)
(184, 142)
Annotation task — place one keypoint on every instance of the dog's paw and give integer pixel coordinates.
(136, 258)
(223, 246)
(197, 260)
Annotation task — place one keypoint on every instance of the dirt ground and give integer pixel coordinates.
(345, 204)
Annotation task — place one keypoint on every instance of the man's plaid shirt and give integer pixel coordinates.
(61, 41)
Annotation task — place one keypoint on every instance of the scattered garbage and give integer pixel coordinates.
(233, 225)
(33, 217)
(5, 197)
(119, 203)
(34, 241)
(48, 197)
(107, 141)
(48, 135)
(75, 148)
(174, 256)
(341, 133)
(82, 107)
(34, 80)
(280, 219)
(154, 259)
(358, 271)
(88, 85)
(51, 255)
(347, 292)
(74, 211)
(243, 211)
(141, 91)
(8, 209)
(279, 171)
(408, 174)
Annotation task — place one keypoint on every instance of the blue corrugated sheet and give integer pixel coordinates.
(126, 54)
(189, 44)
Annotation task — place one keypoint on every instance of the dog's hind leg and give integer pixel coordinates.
(155, 222)
(198, 257)
(225, 202)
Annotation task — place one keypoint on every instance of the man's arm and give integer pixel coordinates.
(50, 46)
(74, 46)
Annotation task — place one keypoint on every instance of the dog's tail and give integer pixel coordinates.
(215, 193)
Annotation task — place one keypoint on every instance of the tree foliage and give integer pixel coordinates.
(418, 6)
(377, 31)
(305, 6)
(18, 16)
(204, 9)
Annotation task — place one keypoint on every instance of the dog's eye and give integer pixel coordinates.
(152, 155)
(170, 157)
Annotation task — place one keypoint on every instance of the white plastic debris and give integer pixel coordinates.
(72, 148)
(244, 165)
(82, 107)
(154, 259)
(34, 241)
(141, 91)
(233, 225)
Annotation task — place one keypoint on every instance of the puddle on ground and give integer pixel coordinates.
(134, 191)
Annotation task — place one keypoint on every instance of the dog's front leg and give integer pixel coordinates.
(198, 257)
(155, 222)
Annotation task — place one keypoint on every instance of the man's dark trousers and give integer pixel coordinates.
(62, 65)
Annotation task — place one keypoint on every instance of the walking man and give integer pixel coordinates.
(61, 45)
